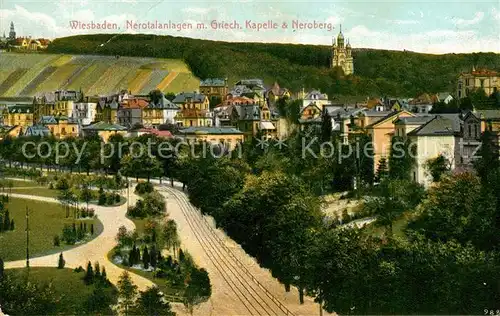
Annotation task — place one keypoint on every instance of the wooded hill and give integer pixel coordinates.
(377, 72)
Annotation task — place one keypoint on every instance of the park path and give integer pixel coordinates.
(239, 285)
(95, 250)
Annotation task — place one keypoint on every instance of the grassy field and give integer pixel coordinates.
(67, 284)
(398, 227)
(27, 74)
(38, 191)
(46, 221)
(181, 81)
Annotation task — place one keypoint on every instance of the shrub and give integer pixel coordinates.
(102, 197)
(117, 198)
(143, 188)
(110, 199)
(62, 184)
(57, 241)
(61, 263)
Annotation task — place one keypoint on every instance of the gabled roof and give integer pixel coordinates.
(488, 114)
(438, 126)
(389, 116)
(251, 82)
(134, 103)
(37, 130)
(213, 82)
(211, 130)
(344, 112)
(183, 96)
(316, 95)
(102, 126)
(165, 134)
(20, 109)
(417, 120)
(49, 119)
(163, 103)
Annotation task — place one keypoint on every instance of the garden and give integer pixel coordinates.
(50, 230)
(153, 251)
(66, 187)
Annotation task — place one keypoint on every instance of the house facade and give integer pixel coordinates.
(486, 79)
(193, 109)
(381, 133)
(435, 138)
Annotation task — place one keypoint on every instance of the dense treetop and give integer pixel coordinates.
(377, 72)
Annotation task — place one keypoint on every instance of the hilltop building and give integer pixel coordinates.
(342, 55)
(12, 33)
(488, 80)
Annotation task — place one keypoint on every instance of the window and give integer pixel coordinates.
(482, 83)
(414, 176)
(470, 131)
(475, 131)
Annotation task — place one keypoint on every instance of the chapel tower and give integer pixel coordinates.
(342, 55)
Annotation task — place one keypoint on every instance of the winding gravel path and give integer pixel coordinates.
(239, 285)
(95, 250)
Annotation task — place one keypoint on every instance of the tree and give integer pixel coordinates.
(170, 235)
(12, 226)
(89, 274)
(61, 262)
(381, 170)
(1, 269)
(460, 208)
(145, 258)
(127, 291)
(393, 198)
(57, 241)
(104, 276)
(437, 167)
(326, 126)
(198, 290)
(151, 302)
(86, 195)
(489, 156)
(401, 158)
(100, 301)
(6, 220)
(97, 270)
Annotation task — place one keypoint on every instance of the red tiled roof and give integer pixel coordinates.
(237, 101)
(165, 134)
(135, 103)
(484, 72)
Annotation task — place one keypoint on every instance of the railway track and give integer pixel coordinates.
(253, 295)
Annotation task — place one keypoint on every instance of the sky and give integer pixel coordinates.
(422, 26)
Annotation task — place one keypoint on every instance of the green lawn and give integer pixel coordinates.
(68, 285)
(46, 221)
(398, 227)
(19, 183)
(38, 191)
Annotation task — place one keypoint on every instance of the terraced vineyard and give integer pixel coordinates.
(30, 74)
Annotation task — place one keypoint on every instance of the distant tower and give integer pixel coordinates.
(342, 55)
(12, 33)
